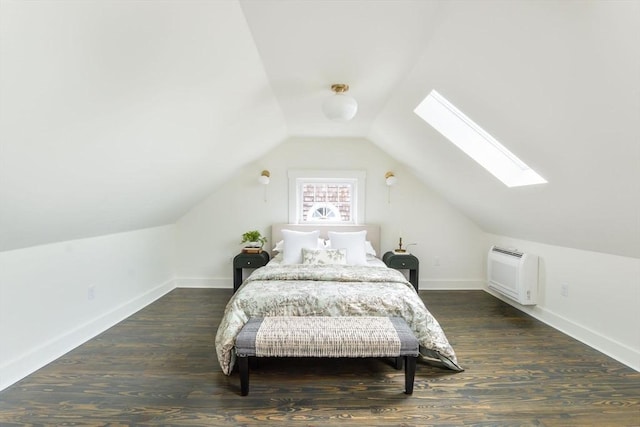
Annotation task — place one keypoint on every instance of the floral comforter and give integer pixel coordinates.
(336, 290)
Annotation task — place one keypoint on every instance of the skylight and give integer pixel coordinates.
(476, 142)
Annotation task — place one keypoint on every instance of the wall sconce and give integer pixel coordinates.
(390, 179)
(264, 179)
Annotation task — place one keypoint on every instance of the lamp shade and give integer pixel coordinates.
(264, 178)
(390, 179)
(340, 107)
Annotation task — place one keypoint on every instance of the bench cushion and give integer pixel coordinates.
(323, 336)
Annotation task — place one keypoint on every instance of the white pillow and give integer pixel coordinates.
(368, 247)
(353, 242)
(324, 256)
(294, 241)
(279, 247)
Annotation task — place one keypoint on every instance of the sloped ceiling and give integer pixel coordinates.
(122, 115)
(558, 83)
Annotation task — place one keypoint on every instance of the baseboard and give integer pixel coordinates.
(14, 370)
(451, 284)
(618, 351)
(205, 282)
(226, 283)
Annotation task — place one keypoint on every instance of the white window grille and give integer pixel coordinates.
(326, 196)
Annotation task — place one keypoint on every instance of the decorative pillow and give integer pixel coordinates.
(324, 256)
(353, 242)
(294, 242)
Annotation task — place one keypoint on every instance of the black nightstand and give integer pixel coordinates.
(243, 260)
(404, 262)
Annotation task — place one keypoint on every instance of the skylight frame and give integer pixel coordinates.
(474, 141)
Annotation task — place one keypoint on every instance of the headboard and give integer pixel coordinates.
(373, 231)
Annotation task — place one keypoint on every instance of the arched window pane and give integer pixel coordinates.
(326, 201)
(326, 196)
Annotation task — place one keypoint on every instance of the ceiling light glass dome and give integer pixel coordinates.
(340, 107)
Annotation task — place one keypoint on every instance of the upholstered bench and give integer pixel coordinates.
(319, 336)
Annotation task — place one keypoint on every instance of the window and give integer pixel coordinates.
(326, 201)
(476, 142)
(326, 196)
(325, 211)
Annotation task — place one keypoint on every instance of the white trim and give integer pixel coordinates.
(38, 357)
(616, 350)
(359, 176)
(15, 370)
(205, 282)
(429, 284)
(451, 285)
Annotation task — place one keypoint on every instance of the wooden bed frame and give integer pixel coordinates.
(373, 232)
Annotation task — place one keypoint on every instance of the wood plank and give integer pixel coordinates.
(159, 367)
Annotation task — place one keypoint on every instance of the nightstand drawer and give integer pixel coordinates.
(244, 260)
(248, 262)
(400, 263)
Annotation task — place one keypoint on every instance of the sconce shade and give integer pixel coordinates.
(265, 177)
(340, 107)
(390, 179)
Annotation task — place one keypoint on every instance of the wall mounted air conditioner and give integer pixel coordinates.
(513, 274)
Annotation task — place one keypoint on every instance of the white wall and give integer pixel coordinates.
(209, 235)
(602, 305)
(94, 118)
(565, 100)
(45, 309)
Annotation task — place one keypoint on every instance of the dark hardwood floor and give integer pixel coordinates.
(159, 367)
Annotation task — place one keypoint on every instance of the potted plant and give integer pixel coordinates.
(253, 239)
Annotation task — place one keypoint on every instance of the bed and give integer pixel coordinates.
(326, 270)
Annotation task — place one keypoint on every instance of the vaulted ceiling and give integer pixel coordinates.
(119, 115)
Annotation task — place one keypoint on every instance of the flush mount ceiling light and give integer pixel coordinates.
(340, 107)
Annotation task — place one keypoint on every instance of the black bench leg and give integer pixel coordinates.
(399, 361)
(409, 373)
(243, 363)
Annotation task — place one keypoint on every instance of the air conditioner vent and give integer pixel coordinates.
(505, 251)
(513, 274)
